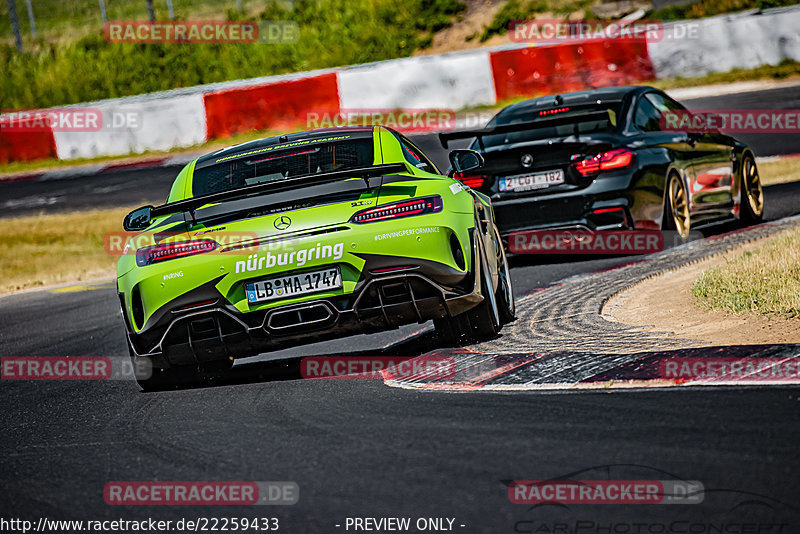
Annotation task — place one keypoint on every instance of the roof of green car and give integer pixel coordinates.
(233, 151)
(181, 187)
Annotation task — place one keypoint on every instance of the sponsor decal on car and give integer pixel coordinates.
(457, 187)
(170, 276)
(284, 145)
(201, 232)
(409, 232)
(293, 258)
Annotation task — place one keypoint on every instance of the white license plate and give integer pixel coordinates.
(293, 285)
(526, 182)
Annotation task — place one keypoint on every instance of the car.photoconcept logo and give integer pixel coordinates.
(283, 222)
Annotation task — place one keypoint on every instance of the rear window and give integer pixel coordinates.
(580, 125)
(273, 164)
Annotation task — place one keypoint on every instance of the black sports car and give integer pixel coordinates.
(603, 160)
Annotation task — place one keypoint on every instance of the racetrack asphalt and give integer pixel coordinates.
(362, 449)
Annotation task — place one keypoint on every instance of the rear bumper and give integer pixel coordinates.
(572, 209)
(219, 332)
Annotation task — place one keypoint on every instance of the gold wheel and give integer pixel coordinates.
(751, 184)
(679, 206)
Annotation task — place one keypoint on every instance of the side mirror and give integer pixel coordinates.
(463, 160)
(138, 219)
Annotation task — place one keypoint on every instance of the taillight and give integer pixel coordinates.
(608, 216)
(197, 305)
(613, 159)
(171, 251)
(396, 210)
(392, 269)
(474, 181)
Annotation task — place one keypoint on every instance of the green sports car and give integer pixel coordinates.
(306, 237)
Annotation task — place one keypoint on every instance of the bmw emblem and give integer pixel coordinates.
(526, 160)
(283, 222)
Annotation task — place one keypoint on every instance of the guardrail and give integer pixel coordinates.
(191, 116)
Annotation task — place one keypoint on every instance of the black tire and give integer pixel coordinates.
(676, 207)
(505, 290)
(751, 194)
(484, 318)
(480, 323)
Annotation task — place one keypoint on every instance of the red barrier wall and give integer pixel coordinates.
(274, 106)
(26, 146)
(569, 67)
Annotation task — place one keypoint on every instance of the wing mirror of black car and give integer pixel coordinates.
(138, 219)
(464, 160)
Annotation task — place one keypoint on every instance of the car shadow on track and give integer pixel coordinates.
(291, 368)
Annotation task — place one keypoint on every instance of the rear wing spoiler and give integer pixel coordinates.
(480, 133)
(191, 204)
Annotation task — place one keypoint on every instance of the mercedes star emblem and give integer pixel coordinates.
(283, 222)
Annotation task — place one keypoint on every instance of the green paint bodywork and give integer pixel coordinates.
(424, 237)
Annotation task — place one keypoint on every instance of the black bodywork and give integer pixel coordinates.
(709, 163)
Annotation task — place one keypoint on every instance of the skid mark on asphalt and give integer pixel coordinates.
(739, 365)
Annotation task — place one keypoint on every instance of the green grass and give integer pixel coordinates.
(72, 63)
(33, 248)
(779, 171)
(332, 33)
(709, 8)
(66, 21)
(765, 280)
(528, 9)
